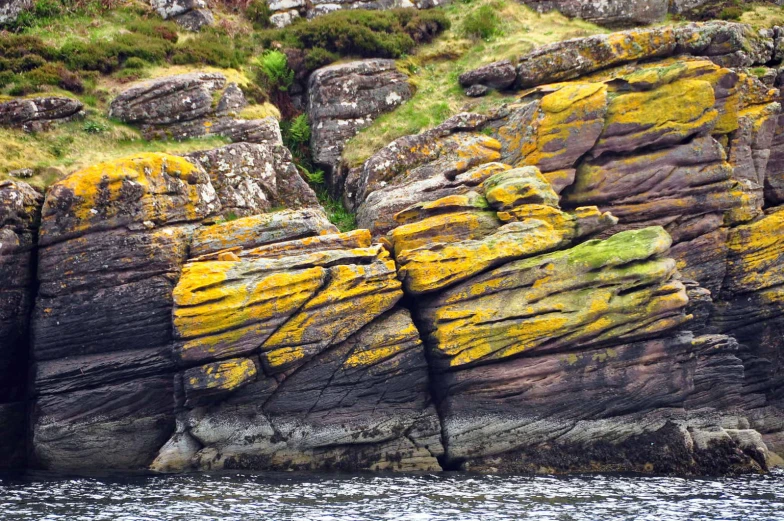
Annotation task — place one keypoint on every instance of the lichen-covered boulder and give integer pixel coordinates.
(168, 100)
(183, 107)
(190, 14)
(610, 13)
(727, 44)
(347, 97)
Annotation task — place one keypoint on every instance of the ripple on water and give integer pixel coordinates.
(452, 497)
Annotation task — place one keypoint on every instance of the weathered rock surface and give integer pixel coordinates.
(295, 355)
(345, 98)
(182, 107)
(20, 210)
(37, 114)
(113, 238)
(497, 75)
(10, 9)
(252, 179)
(287, 11)
(611, 13)
(725, 43)
(190, 14)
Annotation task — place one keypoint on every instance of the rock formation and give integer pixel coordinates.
(20, 211)
(182, 107)
(617, 13)
(586, 279)
(285, 12)
(10, 9)
(345, 98)
(190, 14)
(37, 114)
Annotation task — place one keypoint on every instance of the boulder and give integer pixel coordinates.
(190, 14)
(497, 75)
(725, 43)
(252, 179)
(37, 114)
(611, 13)
(183, 107)
(10, 9)
(168, 100)
(347, 97)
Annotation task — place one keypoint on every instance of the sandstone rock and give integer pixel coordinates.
(37, 114)
(190, 14)
(10, 9)
(232, 101)
(264, 131)
(168, 100)
(728, 44)
(251, 179)
(344, 98)
(113, 238)
(295, 356)
(20, 210)
(497, 75)
(476, 91)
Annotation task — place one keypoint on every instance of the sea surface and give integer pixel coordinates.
(448, 497)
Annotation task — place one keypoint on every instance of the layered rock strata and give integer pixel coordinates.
(183, 106)
(295, 356)
(20, 211)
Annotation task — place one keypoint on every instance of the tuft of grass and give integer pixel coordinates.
(482, 24)
(336, 212)
(433, 70)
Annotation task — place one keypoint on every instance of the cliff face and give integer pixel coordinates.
(584, 280)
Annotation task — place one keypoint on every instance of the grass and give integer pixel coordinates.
(78, 144)
(434, 69)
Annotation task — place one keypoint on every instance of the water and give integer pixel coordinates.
(448, 497)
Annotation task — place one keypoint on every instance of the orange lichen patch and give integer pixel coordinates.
(336, 241)
(477, 175)
(756, 259)
(485, 149)
(674, 110)
(232, 233)
(226, 376)
(353, 296)
(451, 203)
(221, 304)
(228, 256)
(152, 187)
(444, 228)
(525, 185)
(384, 347)
(597, 291)
(566, 114)
(425, 270)
(560, 179)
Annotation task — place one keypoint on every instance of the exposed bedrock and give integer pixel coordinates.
(608, 12)
(113, 240)
(681, 145)
(294, 354)
(20, 212)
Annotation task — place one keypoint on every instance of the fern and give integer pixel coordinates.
(274, 71)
